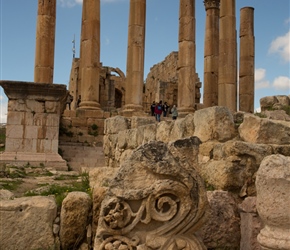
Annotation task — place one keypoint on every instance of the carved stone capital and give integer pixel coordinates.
(211, 4)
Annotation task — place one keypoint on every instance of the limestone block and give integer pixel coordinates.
(39, 119)
(6, 195)
(264, 131)
(26, 223)
(128, 139)
(222, 230)
(16, 118)
(148, 132)
(16, 105)
(115, 124)
(110, 144)
(153, 202)
(283, 100)
(52, 120)
(13, 145)
(214, 123)
(78, 122)
(163, 131)
(182, 128)
(52, 107)
(277, 115)
(34, 106)
(250, 224)
(268, 102)
(273, 202)
(14, 131)
(74, 219)
(141, 121)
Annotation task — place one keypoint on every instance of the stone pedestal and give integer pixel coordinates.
(273, 202)
(33, 123)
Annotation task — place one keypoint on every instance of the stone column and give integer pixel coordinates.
(273, 202)
(135, 57)
(186, 58)
(227, 79)
(45, 37)
(247, 60)
(90, 55)
(211, 53)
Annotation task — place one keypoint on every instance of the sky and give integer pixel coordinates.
(18, 39)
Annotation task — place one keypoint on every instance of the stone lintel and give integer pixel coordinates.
(51, 160)
(33, 90)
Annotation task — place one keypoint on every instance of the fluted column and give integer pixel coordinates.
(135, 57)
(211, 53)
(227, 79)
(45, 39)
(90, 55)
(186, 58)
(247, 60)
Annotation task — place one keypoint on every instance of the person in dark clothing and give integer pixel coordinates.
(158, 111)
(153, 108)
(165, 108)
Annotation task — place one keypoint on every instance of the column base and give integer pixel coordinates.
(182, 112)
(89, 105)
(274, 238)
(49, 160)
(130, 110)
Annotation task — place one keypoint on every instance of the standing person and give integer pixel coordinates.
(174, 112)
(158, 111)
(153, 108)
(79, 100)
(165, 109)
(69, 100)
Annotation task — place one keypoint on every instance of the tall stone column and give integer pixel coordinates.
(186, 58)
(45, 38)
(247, 60)
(135, 57)
(90, 55)
(211, 53)
(227, 79)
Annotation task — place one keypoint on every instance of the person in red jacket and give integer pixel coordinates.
(158, 111)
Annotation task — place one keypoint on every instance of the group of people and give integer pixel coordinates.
(158, 108)
(70, 99)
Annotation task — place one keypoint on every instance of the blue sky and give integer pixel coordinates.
(18, 29)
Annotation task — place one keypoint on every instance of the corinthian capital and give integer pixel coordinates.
(211, 4)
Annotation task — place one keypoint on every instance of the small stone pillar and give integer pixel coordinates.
(135, 58)
(33, 124)
(227, 79)
(247, 60)
(45, 37)
(90, 55)
(186, 58)
(211, 53)
(273, 202)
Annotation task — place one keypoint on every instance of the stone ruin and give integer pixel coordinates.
(213, 179)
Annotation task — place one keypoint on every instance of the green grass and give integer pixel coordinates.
(61, 191)
(10, 185)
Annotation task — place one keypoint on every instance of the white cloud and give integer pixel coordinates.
(260, 74)
(69, 3)
(281, 46)
(282, 83)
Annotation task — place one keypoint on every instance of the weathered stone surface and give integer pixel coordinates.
(250, 224)
(154, 202)
(6, 195)
(214, 123)
(274, 102)
(26, 223)
(222, 230)
(273, 202)
(74, 219)
(264, 131)
(115, 124)
(277, 115)
(231, 165)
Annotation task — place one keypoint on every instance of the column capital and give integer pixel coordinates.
(211, 4)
